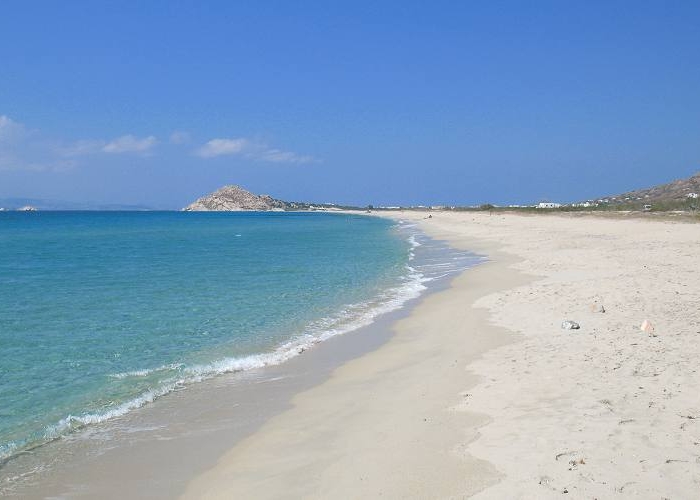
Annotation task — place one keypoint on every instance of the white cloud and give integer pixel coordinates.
(277, 156)
(220, 147)
(250, 149)
(124, 144)
(179, 137)
(23, 149)
(81, 148)
(130, 144)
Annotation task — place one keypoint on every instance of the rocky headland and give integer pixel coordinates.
(236, 199)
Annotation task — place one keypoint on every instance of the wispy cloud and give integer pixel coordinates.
(80, 148)
(180, 137)
(30, 150)
(10, 130)
(124, 144)
(277, 156)
(221, 147)
(130, 144)
(25, 149)
(248, 148)
(20, 149)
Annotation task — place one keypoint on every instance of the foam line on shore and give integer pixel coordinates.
(386, 410)
(175, 376)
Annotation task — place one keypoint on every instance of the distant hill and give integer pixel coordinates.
(236, 199)
(675, 191)
(41, 204)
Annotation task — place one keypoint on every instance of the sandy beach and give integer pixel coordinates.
(353, 250)
(480, 392)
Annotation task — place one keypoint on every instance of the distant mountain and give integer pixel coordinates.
(237, 199)
(41, 204)
(678, 190)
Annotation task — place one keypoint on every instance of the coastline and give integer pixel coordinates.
(506, 403)
(393, 421)
(471, 390)
(154, 450)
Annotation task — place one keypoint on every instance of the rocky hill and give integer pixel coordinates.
(678, 190)
(236, 199)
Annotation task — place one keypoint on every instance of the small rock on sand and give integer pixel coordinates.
(647, 327)
(570, 325)
(597, 308)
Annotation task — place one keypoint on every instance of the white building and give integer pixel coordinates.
(694, 196)
(547, 204)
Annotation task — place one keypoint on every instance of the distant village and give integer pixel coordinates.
(680, 195)
(613, 202)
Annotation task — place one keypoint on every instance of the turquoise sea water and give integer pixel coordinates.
(103, 312)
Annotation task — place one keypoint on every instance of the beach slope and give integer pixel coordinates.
(481, 392)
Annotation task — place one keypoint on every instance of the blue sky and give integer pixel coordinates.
(157, 103)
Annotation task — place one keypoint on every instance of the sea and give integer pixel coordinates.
(102, 313)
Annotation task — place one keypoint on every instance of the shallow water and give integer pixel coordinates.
(178, 298)
(103, 312)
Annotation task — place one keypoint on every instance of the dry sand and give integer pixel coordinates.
(480, 392)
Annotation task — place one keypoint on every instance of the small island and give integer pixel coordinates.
(235, 199)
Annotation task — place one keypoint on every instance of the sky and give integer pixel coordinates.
(385, 103)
